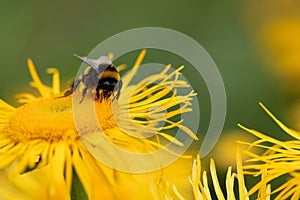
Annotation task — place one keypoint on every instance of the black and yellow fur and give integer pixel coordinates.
(102, 76)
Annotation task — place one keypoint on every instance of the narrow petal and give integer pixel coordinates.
(292, 132)
(36, 79)
(240, 174)
(55, 80)
(215, 180)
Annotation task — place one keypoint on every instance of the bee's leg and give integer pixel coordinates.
(83, 93)
(119, 86)
(75, 84)
(101, 96)
(97, 91)
(67, 93)
(71, 90)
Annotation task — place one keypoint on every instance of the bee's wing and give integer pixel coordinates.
(103, 62)
(99, 65)
(91, 62)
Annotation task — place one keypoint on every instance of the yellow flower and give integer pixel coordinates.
(201, 189)
(228, 140)
(282, 49)
(41, 183)
(276, 27)
(278, 164)
(40, 137)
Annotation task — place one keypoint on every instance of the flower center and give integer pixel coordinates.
(52, 119)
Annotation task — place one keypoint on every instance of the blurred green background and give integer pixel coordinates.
(50, 32)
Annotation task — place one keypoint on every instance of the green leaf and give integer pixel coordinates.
(77, 191)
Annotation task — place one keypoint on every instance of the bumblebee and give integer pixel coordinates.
(100, 74)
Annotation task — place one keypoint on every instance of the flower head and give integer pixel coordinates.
(276, 27)
(279, 161)
(42, 137)
(200, 183)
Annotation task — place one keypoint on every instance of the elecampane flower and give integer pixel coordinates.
(276, 28)
(202, 190)
(279, 161)
(40, 137)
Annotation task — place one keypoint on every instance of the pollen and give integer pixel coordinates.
(52, 120)
(45, 119)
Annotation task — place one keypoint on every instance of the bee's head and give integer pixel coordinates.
(99, 64)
